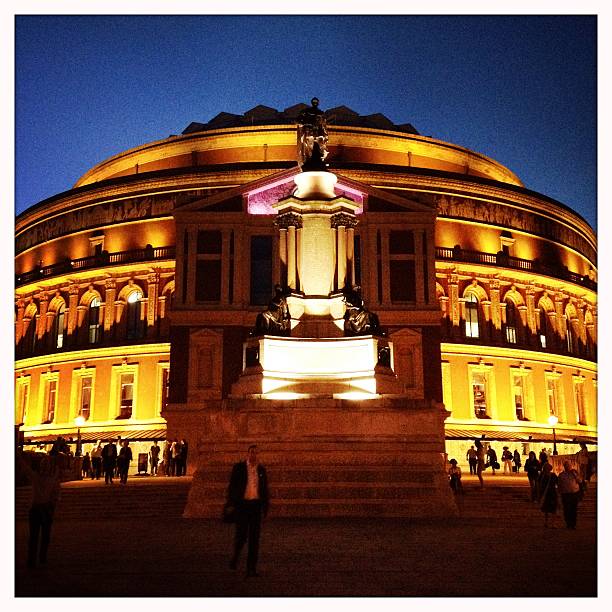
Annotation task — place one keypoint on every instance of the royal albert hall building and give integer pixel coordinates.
(180, 232)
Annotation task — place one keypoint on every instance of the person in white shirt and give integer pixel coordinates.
(569, 487)
(248, 494)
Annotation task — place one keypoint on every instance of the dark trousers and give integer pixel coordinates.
(570, 508)
(473, 464)
(533, 487)
(248, 526)
(40, 518)
(123, 472)
(109, 471)
(96, 467)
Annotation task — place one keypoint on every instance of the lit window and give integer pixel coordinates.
(543, 328)
(510, 322)
(126, 396)
(94, 321)
(479, 390)
(519, 397)
(471, 316)
(579, 398)
(51, 402)
(86, 386)
(135, 327)
(23, 394)
(165, 389)
(58, 331)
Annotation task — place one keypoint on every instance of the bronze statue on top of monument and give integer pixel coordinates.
(276, 320)
(312, 138)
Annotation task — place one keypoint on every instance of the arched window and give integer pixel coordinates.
(543, 328)
(570, 336)
(134, 326)
(59, 326)
(471, 316)
(510, 325)
(29, 340)
(94, 321)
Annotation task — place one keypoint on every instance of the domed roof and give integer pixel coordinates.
(265, 115)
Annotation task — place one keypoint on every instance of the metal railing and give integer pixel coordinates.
(502, 260)
(100, 260)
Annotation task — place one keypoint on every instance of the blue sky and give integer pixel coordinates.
(520, 89)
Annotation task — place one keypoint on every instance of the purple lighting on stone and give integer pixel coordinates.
(260, 200)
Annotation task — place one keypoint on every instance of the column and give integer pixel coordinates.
(291, 263)
(110, 287)
(532, 324)
(560, 317)
(350, 255)
(341, 256)
(495, 309)
(152, 298)
(282, 251)
(43, 301)
(19, 321)
(73, 302)
(453, 295)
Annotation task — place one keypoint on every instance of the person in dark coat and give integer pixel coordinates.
(548, 492)
(109, 461)
(517, 461)
(248, 493)
(533, 467)
(123, 461)
(183, 458)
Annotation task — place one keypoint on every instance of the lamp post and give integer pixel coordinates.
(553, 420)
(79, 421)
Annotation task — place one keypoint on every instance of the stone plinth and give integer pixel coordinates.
(326, 457)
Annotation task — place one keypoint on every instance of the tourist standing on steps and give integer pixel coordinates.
(166, 457)
(571, 491)
(154, 457)
(248, 493)
(183, 458)
(109, 461)
(507, 459)
(492, 459)
(480, 455)
(583, 461)
(543, 456)
(86, 466)
(454, 477)
(123, 461)
(175, 458)
(517, 461)
(45, 493)
(548, 492)
(119, 447)
(472, 459)
(96, 461)
(533, 467)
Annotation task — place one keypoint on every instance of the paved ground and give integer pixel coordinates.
(316, 557)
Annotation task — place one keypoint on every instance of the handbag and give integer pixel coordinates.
(229, 513)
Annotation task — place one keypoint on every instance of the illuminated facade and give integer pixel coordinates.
(506, 319)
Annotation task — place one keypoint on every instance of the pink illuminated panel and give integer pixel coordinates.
(260, 200)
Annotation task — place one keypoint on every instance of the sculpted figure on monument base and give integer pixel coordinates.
(276, 320)
(312, 138)
(358, 320)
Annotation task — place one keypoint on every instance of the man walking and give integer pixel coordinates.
(248, 493)
(96, 461)
(472, 459)
(109, 461)
(154, 457)
(569, 488)
(123, 461)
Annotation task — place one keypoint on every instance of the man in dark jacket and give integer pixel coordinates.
(248, 493)
(109, 461)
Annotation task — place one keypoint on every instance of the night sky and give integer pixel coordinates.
(521, 90)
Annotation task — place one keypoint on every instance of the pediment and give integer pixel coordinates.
(257, 197)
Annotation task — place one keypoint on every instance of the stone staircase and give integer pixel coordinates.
(87, 500)
(379, 490)
(510, 501)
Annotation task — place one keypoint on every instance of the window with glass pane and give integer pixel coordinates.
(59, 326)
(579, 395)
(479, 389)
(519, 397)
(165, 390)
(135, 327)
(510, 322)
(552, 393)
(471, 316)
(94, 321)
(261, 269)
(126, 396)
(22, 402)
(51, 401)
(85, 410)
(543, 328)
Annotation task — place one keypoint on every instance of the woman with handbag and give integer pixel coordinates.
(548, 496)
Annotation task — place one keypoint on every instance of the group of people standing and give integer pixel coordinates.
(546, 488)
(174, 458)
(489, 459)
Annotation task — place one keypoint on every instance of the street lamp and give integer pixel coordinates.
(553, 420)
(79, 422)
